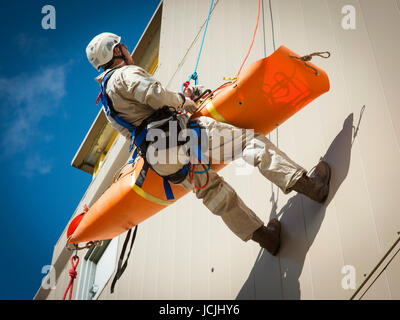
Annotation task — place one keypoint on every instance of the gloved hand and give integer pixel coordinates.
(193, 91)
(189, 105)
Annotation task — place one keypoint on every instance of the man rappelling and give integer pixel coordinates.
(135, 103)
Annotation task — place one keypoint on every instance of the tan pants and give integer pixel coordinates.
(219, 197)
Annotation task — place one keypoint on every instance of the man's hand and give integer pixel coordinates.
(193, 92)
(189, 105)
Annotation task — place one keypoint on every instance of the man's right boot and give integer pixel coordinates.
(316, 187)
(269, 236)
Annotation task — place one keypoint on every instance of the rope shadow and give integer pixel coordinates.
(301, 219)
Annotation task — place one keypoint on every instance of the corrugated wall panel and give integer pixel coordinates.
(384, 19)
(377, 143)
(221, 56)
(230, 258)
(351, 209)
(166, 267)
(185, 252)
(338, 118)
(309, 226)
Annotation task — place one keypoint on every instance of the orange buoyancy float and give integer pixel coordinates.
(264, 95)
(123, 205)
(267, 93)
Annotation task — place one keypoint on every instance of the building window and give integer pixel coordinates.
(97, 268)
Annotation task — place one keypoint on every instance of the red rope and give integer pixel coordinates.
(185, 86)
(252, 42)
(72, 274)
(192, 173)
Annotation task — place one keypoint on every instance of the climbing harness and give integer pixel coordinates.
(159, 119)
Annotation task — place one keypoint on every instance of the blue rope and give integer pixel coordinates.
(201, 172)
(194, 75)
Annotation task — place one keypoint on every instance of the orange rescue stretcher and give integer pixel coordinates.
(263, 96)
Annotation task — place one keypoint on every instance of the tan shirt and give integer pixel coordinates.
(135, 95)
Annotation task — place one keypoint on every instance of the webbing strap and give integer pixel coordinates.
(142, 175)
(168, 190)
(111, 112)
(121, 267)
(108, 107)
(138, 141)
(194, 125)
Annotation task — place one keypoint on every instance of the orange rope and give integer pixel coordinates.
(116, 175)
(252, 42)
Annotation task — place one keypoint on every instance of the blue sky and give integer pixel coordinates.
(47, 104)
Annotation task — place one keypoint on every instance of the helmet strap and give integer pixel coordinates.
(122, 56)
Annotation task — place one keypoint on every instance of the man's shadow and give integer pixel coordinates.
(301, 219)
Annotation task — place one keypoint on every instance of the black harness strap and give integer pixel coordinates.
(142, 174)
(121, 267)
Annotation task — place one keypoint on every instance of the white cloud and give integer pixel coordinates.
(29, 44)
(26, 100)
(36, 165)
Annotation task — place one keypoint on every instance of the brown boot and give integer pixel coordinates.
(316, 186)
(269, 236)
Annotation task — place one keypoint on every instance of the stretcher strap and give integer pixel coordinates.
(121, 267)
(150, 197)
(137, 187)
(214, 113)
(142, 175)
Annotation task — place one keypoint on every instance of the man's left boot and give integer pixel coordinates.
(269, 237)
(316, 187)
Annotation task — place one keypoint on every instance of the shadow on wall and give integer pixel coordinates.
(301, 219)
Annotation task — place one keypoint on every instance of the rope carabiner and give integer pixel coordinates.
(88, 245)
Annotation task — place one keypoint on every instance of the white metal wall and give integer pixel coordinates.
(185, 252)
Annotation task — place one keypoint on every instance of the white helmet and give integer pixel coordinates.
(101, 49)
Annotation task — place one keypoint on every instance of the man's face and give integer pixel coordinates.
(126, 53)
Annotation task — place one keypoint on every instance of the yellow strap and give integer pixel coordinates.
(147, 195)
(150, 197)
(215, 114)
(228, 78)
